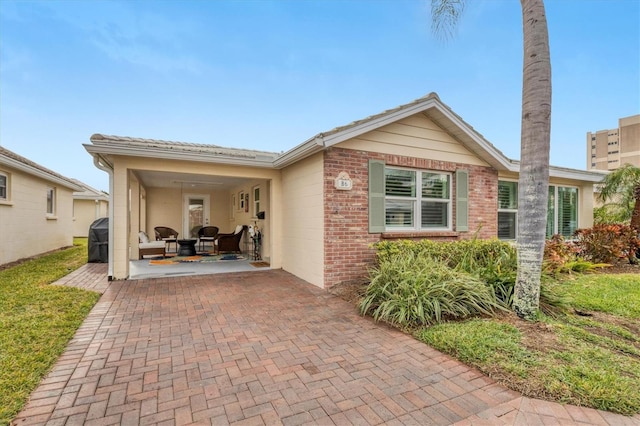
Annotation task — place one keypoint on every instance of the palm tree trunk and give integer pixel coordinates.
(534, 167)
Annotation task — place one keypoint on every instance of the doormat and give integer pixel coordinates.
(260, 264)
(196, 259)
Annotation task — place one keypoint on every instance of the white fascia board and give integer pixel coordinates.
(375, 123)
(177, 155)
(496, 155)
(583, 175)
(593, 176)
(90, 197)
(310, 147)
(359, 129)
(39, 173)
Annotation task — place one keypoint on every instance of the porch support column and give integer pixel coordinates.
(276, 213)
(120, 223)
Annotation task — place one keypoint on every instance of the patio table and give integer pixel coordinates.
(187, 247)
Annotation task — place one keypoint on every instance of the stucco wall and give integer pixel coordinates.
(25, 227)
(303, 220)
(84, 213)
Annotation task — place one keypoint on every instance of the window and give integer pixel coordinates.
(417, 199)
(507, 210)
(51, 201)
(256, 201)
(4, 190)
(566, 218)
(562, 210)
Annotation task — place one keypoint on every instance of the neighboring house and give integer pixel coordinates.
(89, 204)
(416, 171)
(36, 208)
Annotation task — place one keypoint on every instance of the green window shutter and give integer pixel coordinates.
(462, 200)
(376, 196)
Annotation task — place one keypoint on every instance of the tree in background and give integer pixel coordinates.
(620, 191)
(534, 144)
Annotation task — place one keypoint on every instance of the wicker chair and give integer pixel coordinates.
(230, 242)
(207, 233)
(169, 235)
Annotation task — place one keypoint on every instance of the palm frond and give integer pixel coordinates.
(445, 15)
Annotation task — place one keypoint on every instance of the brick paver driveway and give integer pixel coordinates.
(263, 348)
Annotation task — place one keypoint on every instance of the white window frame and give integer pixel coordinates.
(256, 200)
(510, 211)
(555, 207)
(51, 201)
(418, 199)
(4, 189)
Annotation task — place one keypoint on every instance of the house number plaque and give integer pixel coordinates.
(343, 182)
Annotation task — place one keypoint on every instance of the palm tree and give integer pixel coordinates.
(534, 145)
(622, 188)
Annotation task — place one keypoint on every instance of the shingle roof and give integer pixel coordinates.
(30, 166)
(174, 146)
(88, 192)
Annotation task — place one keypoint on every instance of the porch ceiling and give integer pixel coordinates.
(156, 179)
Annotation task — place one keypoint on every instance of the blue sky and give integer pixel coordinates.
(268, 75)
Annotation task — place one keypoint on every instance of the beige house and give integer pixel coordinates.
(36, 208)
(412, 172)
(89, 204)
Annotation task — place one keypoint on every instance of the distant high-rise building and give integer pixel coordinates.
(612, 148)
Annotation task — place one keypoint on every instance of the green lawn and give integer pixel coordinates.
(591, 360)
(37, 320)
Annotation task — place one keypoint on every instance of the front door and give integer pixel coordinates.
(195, 214)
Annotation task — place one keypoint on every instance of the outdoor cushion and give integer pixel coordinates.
(143, 237)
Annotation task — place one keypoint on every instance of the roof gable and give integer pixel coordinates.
(429, 105)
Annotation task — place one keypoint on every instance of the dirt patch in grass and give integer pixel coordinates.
(629, 324)
(537, 336)
(622, 267)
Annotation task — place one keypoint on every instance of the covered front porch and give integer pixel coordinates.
(186, 187)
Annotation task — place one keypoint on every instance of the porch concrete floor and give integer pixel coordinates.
(262, 348)
(143, 269)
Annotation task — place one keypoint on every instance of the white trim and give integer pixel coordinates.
(7, 185)
(52, 190)
(38, 173)
(418, 199)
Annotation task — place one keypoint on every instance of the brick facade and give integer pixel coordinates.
(347, 239)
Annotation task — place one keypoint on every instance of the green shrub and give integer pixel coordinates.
(409, 289)
(492, 261)
(606, 243)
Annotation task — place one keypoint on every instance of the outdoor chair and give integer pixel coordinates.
(207, 233)
(230, 242)
(167, 235)
(150, 248)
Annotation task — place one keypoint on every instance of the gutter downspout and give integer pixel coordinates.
(96, 162)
